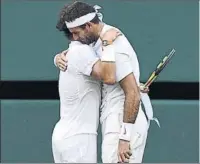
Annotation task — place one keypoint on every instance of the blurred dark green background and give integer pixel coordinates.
(29, 41)
(29, 36)
(26, 128)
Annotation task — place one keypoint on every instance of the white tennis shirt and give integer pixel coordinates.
(80, 94)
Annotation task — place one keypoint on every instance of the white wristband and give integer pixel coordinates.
(108, 53)
(126, 131)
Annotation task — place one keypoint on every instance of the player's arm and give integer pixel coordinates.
(128, 83)
(105, 69)
(101, 70)
(132, 98)
(89, 64)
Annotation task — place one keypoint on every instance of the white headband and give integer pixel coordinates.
(84, 19)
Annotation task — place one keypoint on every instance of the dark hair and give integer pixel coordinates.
(78, 9)
(73, 11)
(61, 26)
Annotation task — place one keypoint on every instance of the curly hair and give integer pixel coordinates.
(61, 26)
(73, 11)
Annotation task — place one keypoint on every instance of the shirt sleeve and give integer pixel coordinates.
(123, 58)
(54, 60)
(123, 66)
(86, 60)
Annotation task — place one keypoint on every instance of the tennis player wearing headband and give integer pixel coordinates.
(74, 138)
(124, 124)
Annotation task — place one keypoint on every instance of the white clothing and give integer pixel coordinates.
(80, 148)
(80, 94)
(112, 106)
(110, 132)
(126, 63)
(80, 97)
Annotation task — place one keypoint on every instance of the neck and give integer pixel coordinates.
(99, 28)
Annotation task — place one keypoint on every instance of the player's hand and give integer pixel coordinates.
(144, 89)
(124, 151)
(61, 60)
(111, 34)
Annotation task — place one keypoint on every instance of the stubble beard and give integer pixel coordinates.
(89, 39)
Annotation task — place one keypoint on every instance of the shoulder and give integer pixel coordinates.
(122, 45)
(81, 53)
(121, 40)
(80, 49)
(108, 27)
(85, 48)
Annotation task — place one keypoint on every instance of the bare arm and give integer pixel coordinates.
(104, 71)
(131, 108)
(132, 98)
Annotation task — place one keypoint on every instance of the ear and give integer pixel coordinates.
(89, 25)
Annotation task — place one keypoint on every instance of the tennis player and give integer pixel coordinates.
(124, 124)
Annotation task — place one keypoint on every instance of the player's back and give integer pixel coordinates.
(80, 97)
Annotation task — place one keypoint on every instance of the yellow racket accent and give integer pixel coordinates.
(159, 68)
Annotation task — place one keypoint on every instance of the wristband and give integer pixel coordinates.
(108, 54)
(126, 131)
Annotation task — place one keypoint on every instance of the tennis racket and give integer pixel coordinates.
(159, 68)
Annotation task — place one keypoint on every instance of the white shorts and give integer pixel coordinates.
(110, 135)
(81, 148)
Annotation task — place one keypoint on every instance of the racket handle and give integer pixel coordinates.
(148, 83)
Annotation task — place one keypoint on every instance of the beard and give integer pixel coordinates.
(88, 39)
